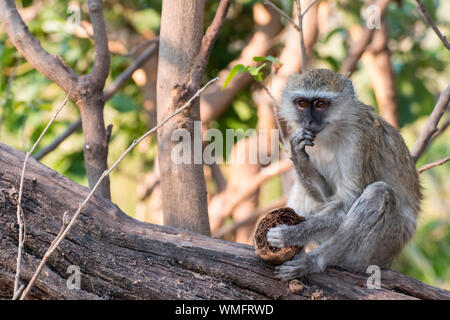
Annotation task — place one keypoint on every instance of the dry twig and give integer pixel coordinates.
(276, 109)
(65, 228)
(300, 32)
(431, 126)
(282, 13)
(208, 40)
(20, 217)
(433, 164)
(430, 22)
(441, 130)
(298, 26)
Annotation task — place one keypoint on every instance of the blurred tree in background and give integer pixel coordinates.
(420, 69)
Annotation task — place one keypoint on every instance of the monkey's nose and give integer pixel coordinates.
(313, 127)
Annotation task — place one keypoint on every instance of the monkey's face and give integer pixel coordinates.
(311, 112)
(318, 100)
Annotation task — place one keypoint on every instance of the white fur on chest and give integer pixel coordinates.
(332, 159)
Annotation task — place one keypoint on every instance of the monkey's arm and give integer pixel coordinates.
(314, 183)
(315, 228)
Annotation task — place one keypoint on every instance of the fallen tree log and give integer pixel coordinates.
(122, 258)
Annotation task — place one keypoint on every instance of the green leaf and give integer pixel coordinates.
(259, 58)
(239, 68)
(274, 60)
(256, 72)
(268, 58)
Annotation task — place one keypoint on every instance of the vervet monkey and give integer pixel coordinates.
(355, 182)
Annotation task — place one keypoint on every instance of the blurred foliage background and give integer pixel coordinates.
(421, 69)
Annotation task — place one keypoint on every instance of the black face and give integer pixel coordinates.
(312, 113)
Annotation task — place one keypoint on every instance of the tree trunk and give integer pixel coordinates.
(183, 185)
(96, 139)
(121, 258)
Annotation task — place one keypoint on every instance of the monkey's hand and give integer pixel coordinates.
(283, 235)
(301, 265)
(299, 140)
(314, 183)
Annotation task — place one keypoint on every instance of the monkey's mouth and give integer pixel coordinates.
(315, 129)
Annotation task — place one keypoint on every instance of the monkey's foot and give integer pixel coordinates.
(300, 266)
(277, 237)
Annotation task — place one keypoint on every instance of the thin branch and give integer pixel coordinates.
(150, 186)
(300, 32)
(109, 92)
(120, 81)
(298, 26)
(73, 127)
(430, 22)
(433, 164)
(208, 40)
(283, 14)
(218, 177)
(441, 130)
(65, 229)
(102, 56)
(136, 48)
(309, 7)
(431, 126)
(276, 109)
(20, 217)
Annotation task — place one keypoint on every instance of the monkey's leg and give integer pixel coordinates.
(313, 181)
(369, 234)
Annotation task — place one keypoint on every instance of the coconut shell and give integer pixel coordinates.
(271, 219)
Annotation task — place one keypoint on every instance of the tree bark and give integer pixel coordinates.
(96, 140)
(183, 185)
(122, 258)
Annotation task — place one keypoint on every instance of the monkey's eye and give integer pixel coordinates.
(301, 103)
(320, 104)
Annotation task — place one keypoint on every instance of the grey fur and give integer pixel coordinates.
(356, 183)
